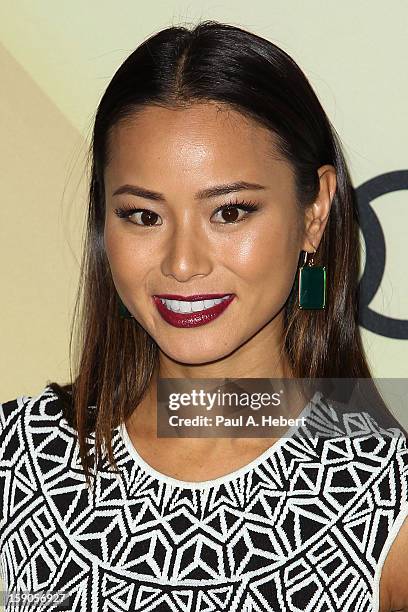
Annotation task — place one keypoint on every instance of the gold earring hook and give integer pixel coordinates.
(310, 262)
(312, 258)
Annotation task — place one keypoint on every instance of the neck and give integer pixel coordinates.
(143, 421)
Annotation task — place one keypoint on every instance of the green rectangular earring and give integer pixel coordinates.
(123, 311)
(312, 285)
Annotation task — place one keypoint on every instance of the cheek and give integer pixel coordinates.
(127, 260)
(265, 261)
(115, 250)
(263, 252)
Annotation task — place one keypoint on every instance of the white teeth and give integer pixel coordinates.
(183, 306)
(196, 306)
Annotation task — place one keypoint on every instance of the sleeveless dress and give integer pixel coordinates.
(305, 526)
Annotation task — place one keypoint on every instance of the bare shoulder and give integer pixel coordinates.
(394, 575)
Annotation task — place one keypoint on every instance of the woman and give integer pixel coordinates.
(216, 175)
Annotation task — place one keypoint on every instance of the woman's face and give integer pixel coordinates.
(182, 246)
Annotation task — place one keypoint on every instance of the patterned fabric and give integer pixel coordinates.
(305, 526)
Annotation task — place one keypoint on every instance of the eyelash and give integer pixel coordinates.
(246, 205)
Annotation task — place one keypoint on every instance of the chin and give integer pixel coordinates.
(189, 356)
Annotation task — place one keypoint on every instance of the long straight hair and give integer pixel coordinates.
(116, 358)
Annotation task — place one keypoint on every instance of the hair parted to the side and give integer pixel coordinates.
(225, 64)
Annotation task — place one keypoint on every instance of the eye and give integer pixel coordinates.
(231, 210)
(147, 217)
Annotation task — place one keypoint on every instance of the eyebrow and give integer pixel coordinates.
(210, 192)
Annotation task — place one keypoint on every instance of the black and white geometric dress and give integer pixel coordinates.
(306, 526)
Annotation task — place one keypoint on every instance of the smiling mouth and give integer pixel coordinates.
(191, 313)
(187, 306)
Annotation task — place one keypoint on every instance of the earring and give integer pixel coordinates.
(123, 311)
(312, 285)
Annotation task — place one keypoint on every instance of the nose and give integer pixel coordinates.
(186, 254)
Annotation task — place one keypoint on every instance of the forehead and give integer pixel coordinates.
(208, 137)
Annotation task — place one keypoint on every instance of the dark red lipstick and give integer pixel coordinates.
(192, 298)
(192, 319)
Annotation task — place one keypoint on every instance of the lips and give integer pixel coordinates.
(192, 298)
(192, 319)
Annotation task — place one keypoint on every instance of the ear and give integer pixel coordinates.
(317, 214)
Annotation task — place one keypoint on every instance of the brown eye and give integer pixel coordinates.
(230, 213)
(148, 217)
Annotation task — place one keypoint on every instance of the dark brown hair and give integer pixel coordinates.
(178, 66)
